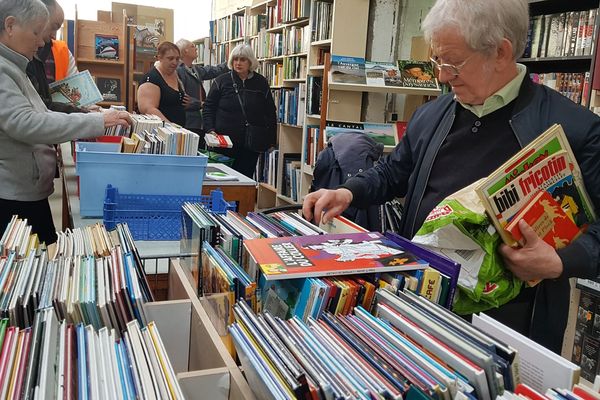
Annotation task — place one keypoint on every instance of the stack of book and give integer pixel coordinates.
(59, 360)
(90, 276)
(411, 349)
(170, 139)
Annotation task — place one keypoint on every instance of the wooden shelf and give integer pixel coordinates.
(351, 87)
(314, 116)
(297, 55)
(286, 199)
(240, 39)
(295, 80)
(267, 187)
(322, 43)
(317, 68)
(291, 126)
(307, 169)
(261, 8)
(275, 29)
(100, 61)
(276, 58)
(299, 21)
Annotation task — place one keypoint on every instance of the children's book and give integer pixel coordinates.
(329, 254)
(79, 90)
(548, 220)
(107, 47)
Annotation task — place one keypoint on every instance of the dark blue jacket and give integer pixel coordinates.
(405, 172)
(192, 83)
(346, 155)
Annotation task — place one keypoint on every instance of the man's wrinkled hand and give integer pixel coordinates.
(534, 261)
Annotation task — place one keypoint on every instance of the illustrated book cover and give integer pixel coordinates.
(79, 90)
(329, 254)
(417, 74)
(548, 220)
(348, 70)
(547, 164)
(107, 47)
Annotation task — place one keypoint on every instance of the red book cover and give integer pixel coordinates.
(330, 254)
(548, 220)
(528, 392)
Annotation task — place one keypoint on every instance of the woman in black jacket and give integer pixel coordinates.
(223, 112)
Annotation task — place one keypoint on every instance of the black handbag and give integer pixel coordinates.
(256, 137)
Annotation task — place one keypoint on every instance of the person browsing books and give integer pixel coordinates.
(37, 69)
(27, 129)
(493, 111)
(191, 76)
(161, 92)
(223, 112)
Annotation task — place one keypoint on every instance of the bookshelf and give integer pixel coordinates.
(561, 48)
(87, 36)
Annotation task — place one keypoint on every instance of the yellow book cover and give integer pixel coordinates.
(432, 281)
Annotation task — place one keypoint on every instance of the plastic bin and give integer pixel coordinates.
(155, 217)
(99, 164)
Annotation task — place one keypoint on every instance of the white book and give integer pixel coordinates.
(158, 372)
(540, 368)
(138, 354)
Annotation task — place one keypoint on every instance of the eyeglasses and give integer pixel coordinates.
(449, 68)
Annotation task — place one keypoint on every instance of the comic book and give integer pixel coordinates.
(329, 254)
(548, 164)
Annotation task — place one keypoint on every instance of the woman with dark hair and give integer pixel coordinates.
(161, 92)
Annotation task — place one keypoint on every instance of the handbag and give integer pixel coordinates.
(256, 137)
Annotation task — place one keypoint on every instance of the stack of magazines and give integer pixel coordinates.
(60, 360)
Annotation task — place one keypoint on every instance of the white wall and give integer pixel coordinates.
(191, 16)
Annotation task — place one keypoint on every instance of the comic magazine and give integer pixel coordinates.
(329, 254)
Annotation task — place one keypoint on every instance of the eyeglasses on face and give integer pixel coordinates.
(449, 68)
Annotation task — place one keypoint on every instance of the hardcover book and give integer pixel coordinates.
(548, 220)
(79, 90)
(382, 133)
(417, 74)
(348, 70)
(329, 254)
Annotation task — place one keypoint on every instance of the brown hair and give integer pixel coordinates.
(162, 49)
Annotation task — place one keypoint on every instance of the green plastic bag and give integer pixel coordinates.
(217, 158)
(460, 229)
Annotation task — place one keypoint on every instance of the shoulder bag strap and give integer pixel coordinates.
(235, 87)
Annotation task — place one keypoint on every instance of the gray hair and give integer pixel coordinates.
(24, 11)
(245, 51)
(182, 44)
(482, 23)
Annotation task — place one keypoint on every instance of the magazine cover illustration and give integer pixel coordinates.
(107, 47)
(330, 254)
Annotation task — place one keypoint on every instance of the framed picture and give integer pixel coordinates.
(107, 47)
(110, 89)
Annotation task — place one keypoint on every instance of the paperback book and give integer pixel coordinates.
(417, 74)
(546, 164)
(382, 133)
(329, 254)
(348, 70)
(382, 74)
(79, 90)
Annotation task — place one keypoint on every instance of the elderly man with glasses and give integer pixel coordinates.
(494, 110)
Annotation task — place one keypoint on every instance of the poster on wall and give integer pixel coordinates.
(148, 37)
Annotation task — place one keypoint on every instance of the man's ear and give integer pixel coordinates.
(504, 53)
(9, 24)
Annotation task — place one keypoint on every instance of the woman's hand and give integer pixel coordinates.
(114, 118)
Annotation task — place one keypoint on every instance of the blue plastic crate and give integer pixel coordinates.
(100, 164)
(155, 217)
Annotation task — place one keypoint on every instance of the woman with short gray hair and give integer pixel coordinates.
(27, 130)
(238, 103)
